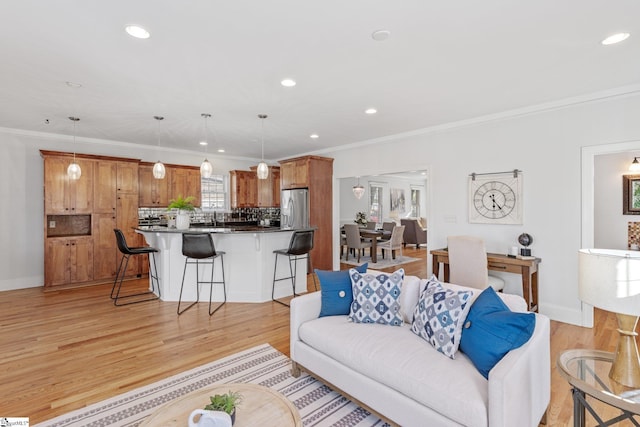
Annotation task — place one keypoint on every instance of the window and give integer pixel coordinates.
(375, 203)
(214, 192)
(415, 202)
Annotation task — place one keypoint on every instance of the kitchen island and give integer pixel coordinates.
(248, 263)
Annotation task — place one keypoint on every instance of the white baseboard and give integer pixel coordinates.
(21, 283)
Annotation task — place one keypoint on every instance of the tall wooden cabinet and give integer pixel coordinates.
(316, 174)
(80, 215)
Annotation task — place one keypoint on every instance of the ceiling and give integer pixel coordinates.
(445, 61)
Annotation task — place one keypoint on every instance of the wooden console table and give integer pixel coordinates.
(527, 268)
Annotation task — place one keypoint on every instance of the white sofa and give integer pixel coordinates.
(402, 378)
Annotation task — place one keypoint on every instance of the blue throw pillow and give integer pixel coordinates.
(492, 330)
(336, 291)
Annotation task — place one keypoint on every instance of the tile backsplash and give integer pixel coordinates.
(159, 215)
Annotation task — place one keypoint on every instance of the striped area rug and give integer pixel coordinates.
(318, 405)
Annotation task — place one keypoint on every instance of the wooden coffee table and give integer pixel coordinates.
(260, 406)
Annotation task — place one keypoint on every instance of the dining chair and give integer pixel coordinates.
(354, 241)
(468, 264)
(395, 242)
(371, 225)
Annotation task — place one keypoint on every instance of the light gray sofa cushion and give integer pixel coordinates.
(401, 360)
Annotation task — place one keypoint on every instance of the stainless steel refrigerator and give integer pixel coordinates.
(294, 209)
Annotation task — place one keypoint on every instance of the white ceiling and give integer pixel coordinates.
(445, 61)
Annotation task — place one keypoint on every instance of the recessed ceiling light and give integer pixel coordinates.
(314, 136)
(220, 150)
(137, 32)
(288, 83)
(73, 85)
(380, 35)
(204, 143)
(370, 111)
(615, 38)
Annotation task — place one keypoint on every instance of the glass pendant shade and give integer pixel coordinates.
(635, 165)
(263, 170)
(358, 191)
(158, 170)
(206, 169)
(74, 171)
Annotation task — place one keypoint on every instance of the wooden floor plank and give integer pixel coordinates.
(62, 350)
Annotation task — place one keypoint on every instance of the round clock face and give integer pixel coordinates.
(494, 199)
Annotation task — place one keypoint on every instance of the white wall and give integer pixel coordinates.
(21, 192)
(610, 225)
(349, 205)
(546, 146)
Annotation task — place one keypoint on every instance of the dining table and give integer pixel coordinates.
(374, 235)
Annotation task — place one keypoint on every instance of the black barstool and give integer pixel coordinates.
(153, 273)
(198, 247)
(300, 247)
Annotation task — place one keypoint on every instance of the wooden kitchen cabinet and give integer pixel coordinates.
(316, 174)
(268, 190)
(153, 193)
(294, 173)
(185, 181)
(63, 195)
(104, 187)
(244, 189)
(105, 249)
(71, 260)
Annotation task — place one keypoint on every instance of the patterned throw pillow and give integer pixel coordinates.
(375, 297)
(439, 316)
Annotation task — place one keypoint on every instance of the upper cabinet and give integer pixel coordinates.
(185, 182)
(63, 195)
(244, 189)
(153, 192)
(294, 173)
(268, 189)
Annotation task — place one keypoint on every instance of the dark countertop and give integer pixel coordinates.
(212, 229)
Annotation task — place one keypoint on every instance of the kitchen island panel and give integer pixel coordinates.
(248, 261)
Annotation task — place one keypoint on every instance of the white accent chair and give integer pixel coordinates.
(468, 264)
(395, 242)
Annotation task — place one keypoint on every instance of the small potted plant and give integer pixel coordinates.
(225, 402)
(184, 205)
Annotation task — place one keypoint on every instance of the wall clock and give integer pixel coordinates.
(495, 198)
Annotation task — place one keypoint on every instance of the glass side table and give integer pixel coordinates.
(587, 371)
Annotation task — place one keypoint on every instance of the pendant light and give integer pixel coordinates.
(74, 171)
(158, 169)
(358, 190)
(263, 169)
(206, 168)
(635, 165)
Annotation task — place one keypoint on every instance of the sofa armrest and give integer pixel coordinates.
(303, 308)
(524, 372)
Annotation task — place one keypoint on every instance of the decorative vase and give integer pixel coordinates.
(182, 220)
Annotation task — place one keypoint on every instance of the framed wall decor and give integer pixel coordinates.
(397, 202)
(630, 194)
(495, 198)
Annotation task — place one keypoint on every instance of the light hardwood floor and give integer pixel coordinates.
(65, 349)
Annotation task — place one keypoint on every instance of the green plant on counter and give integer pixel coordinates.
(224, 402)
(182, 203)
